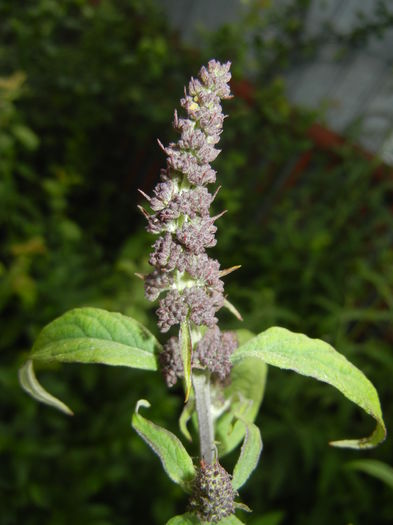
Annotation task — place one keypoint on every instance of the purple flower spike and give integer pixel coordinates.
(186, 277)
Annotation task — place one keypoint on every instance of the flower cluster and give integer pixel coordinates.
(213, 351)
(185, 278)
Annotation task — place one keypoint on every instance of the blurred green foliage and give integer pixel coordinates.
(86, 87)
(317, 251)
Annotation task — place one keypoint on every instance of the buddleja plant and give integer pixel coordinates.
(223, 373)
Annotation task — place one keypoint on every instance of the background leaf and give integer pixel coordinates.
(174, 457)
(315, 358)
(249, 455)
(373, 467)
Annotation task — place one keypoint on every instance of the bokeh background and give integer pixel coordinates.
(86, 87)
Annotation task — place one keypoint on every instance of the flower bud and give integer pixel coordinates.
(213, 496)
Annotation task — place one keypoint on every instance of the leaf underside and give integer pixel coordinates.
(31, 385)
(249, 455)
(315, 358)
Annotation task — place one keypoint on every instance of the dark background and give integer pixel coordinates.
(86, 87)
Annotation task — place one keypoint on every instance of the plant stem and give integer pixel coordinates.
(201, 383)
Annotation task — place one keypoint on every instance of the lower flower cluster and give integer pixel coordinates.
(213, 352)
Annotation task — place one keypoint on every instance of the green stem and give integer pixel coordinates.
(201, 383)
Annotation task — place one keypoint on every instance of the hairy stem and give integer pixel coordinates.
(201, 383)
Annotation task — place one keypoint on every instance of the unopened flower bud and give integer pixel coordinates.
(214, 351)
(171, 362)
(198, 235)
(213, 496)
(172, 310)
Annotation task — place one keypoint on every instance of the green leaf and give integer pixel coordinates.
(315, 358)
(374, 468)
(186, 353)
(191, 519)
(249, 455)
(245, 394)
(174, 457)
(89, 335)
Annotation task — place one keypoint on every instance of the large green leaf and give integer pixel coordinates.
(93, 335)
(315, 358)
(191, 519)
(89, 335)
(174, 457)
(245, 394)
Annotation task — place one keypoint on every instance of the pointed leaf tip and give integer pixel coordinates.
(30, 384)
(142, 403)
